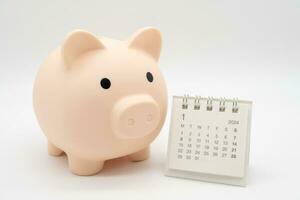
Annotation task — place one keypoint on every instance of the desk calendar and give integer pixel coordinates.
(209, 139)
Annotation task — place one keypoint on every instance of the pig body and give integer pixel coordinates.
(97, 99)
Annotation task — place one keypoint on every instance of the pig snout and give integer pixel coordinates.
(135, 116)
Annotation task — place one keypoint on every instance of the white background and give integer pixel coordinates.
(246, 49)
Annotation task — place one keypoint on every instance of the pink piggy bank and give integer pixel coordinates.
(97, 98)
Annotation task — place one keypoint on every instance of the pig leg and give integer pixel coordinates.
(140, 155)
(53, 150)
(83, 167)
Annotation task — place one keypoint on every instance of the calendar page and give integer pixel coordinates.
(209, 137)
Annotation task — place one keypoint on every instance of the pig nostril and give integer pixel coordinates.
(149, 117)
(130, 121)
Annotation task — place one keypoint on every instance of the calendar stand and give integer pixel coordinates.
(209, 139)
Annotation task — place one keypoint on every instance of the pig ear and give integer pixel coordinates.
(77, 43)
(147, 40)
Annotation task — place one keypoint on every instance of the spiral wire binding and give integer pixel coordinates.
(222, 104)
(185, 101)
(235, 108)
(197, 103)
(209, 103)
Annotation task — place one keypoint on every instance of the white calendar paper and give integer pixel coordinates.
(209, 139)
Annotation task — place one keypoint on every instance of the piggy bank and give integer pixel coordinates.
(97, 98)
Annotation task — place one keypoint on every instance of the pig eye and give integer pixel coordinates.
(105, 83)
(149, 77)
